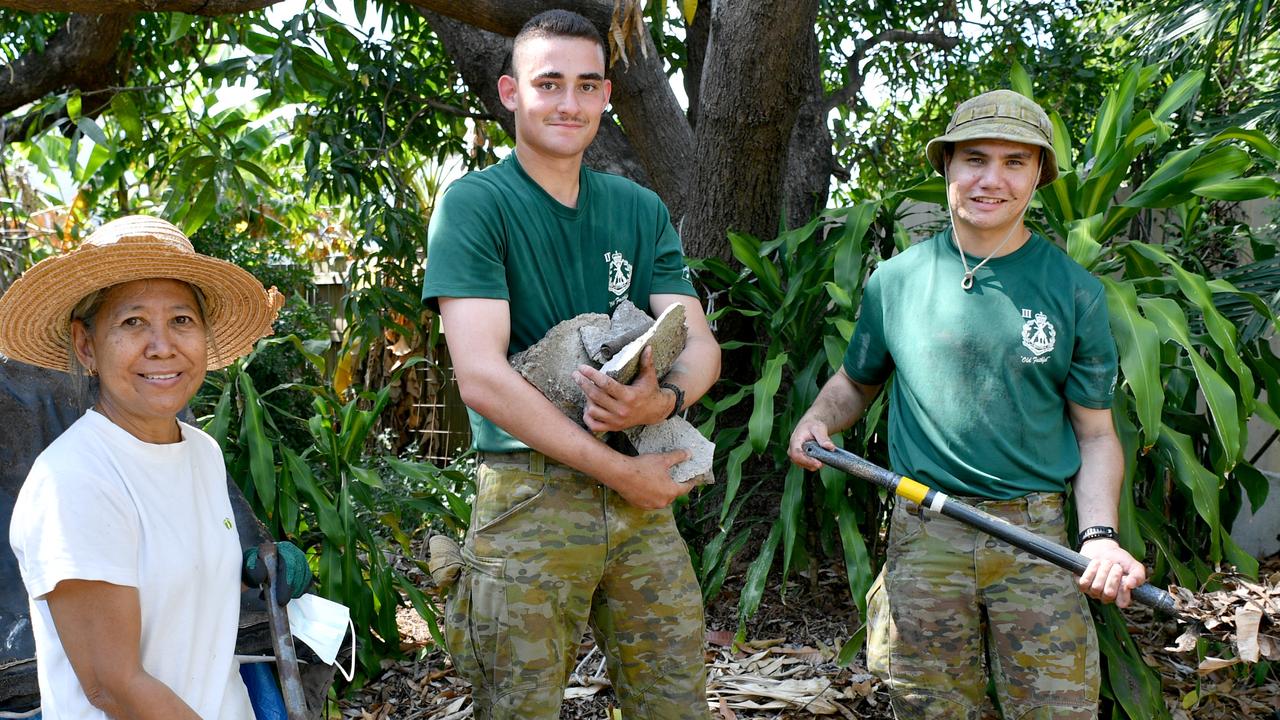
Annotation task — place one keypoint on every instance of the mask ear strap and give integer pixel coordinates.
(352, 673)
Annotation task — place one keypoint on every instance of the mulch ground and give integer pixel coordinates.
(786, 666)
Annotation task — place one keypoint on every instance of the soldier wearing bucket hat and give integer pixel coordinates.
(1003, 369)
(123, 529)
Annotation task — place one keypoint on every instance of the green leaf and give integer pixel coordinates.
(261, 456)
(1240, 189)
(91, 129)
(857, 561)
(757, 574)
(1082, 243)
(179, 25)
(1113, 116)
(789, 514)
(126, 114)
(1061, 142)
(366, 476)
(202, 208)
(1202, 483)
(733, 475)
(1218, 394)
(1179, 93)
(1138, 343)
(1019, 81)
(74, 103)
(220, 423)
(760, 426)
(1182, 172)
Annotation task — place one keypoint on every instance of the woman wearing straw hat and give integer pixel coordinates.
(123, 530)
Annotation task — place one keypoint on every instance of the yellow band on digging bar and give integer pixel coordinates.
(912, 490)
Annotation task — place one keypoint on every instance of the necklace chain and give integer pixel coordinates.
(966, 283)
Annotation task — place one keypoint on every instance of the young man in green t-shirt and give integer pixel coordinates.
(1003, 370)
(564, 529)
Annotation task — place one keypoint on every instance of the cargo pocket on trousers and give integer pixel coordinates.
(502, 493)
(475, 625)
(878, 621)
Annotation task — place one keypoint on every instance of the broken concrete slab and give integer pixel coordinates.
(676, 433)
(549, 363)
(627, 323)
(667, 337)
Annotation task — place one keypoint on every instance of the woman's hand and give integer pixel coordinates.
(291, 569)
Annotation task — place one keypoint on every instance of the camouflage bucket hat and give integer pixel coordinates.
(999, 115)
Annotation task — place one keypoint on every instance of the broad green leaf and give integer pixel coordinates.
(1113, 116)
(857, 561)
(202, 208)
(1136, 687)
(1179, 93)
(1218, 394)
(747, 250)
(761, 423)
(126, 113)
(1061, 142)
(261, 455)
(791, 507)
(1202, 483)
(1082, 243)
(74, 103)
(91, 129)
(733, 475)
(1240, 189)
(1139, 346)
(848, 263)
(1253, 138)
(757, 575)
(366, 476)
(1020, 82)
(1186, 170)
(1222, 331)
(220, 423)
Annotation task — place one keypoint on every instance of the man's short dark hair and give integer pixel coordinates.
(557, 23)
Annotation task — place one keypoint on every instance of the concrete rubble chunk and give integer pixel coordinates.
(549, 363)
(672, 434)
(628, 323)
(614, 345)
(666, 336)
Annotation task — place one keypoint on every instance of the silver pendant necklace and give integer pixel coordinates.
(966, 283)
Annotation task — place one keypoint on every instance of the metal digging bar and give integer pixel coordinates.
(930, 499)
(295, 703)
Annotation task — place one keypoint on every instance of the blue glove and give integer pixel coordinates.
(291, 569)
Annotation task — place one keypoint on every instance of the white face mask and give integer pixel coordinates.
(322, 624)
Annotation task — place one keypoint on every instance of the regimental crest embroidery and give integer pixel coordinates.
(619, 273)
(1038, 334)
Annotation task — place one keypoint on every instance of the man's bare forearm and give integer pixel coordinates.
(841, 403)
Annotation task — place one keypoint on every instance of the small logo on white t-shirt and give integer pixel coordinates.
(619, 273)
(227, 522)
(1038, 335)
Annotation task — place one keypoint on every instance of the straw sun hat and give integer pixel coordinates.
(35, 313)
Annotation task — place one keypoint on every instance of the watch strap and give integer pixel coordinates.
(679, 397)
(1095, 532)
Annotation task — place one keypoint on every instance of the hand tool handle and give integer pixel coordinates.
(931, 499)
(295, 702)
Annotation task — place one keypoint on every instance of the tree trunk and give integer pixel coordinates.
(81, 54)
(749, 104)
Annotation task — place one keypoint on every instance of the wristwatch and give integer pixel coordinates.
(679, 397)
(1095, 532)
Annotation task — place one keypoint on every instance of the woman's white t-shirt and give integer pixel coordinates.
(100, 504)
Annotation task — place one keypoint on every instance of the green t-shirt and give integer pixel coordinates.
(981, 378)
(497, 234)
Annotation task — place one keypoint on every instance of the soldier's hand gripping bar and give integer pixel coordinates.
(930, 499)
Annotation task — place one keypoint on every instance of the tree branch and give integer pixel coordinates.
(81, 54)
(102, 7)
(853, 87)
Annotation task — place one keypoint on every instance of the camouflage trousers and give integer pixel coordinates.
(549, 551)
(954, 606)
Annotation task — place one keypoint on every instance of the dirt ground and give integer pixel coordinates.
(786, 667)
